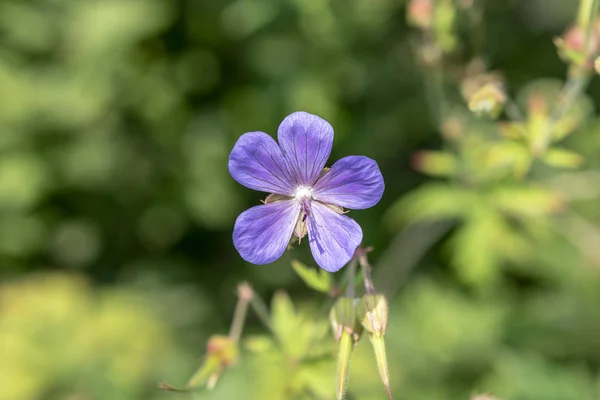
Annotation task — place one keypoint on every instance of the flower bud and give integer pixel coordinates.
(571, 46)
(373, 313)
(488, 100)
(221, 352)
(224, 348)
(347, 331)
(378, 344)
(343, 318)
(420, 13)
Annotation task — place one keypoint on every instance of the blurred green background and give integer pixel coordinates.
(116, 206)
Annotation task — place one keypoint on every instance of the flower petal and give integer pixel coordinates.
(333, 237)
(353, 182)
(306, 141)
(262, 233)
(257, 162)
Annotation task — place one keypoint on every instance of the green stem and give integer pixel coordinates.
(351, 277)
(245, 295)
(343, 364)
(578, 75)
(584, 12)
(590, 10)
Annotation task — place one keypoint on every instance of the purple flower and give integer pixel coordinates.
(305, 196)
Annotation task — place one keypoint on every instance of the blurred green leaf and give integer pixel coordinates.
(435, 163)
(508, 156)
(23, 179)
(538, 98)
(432, 202)
(526, 201)
(316, 279)
(475, 253)
(443, 330)
(527, 376)
(562, 158)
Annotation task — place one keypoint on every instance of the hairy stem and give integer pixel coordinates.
(361, 254)
(245, 295)
(351, 277)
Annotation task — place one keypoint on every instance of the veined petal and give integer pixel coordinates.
(257, 162)
(306, 140)
(333, 237)
(353, 182)
(262, 233)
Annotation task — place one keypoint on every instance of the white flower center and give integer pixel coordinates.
(303, 192)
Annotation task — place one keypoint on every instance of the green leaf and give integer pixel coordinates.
(316, 279)
(526, 201)
(508, 156)
(536, 100)
(562, 158)
(532, 377)
(285, 322)
(432, 202)
(298, 334)
(475, 256)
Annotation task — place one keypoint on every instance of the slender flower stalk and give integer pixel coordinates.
(351, 278)
(245, 295)
(343, 364)
(361, 254)
(221, 351)
(373, 315)
(347, 331)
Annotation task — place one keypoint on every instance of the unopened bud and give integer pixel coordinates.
(571, 46)
(221, 352)
(488, 100)
(373, 313)
(343, 319)
(420, 13)
(224, 348)
(537, 106)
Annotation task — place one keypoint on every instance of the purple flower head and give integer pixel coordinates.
(305, 197)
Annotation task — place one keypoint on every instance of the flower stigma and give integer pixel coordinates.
(303, 193)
